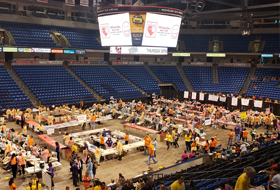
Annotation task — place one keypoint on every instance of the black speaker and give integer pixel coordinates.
(136, 58)
(106, 56)
(181, 59)
(209, 59)
(52, 56)
(9, 56)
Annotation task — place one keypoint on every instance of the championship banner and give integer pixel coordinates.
(43, 1)
(258, 103)
(245, 102)
(128, 2)
(84, 3)
(137, 23)
(201, 96)
(234, 101)
(223, 99)
(70, 2)
(213, 98)
(186, 94)
(193, 95)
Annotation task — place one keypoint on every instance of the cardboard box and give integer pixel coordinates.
(67, 154)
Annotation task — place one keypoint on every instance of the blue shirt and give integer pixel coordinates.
(229, 150)
(51, 170)
(237, 130)
(104, 133)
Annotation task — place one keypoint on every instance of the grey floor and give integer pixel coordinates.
(132, 164)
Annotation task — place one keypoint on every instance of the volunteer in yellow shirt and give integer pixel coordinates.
(168, 141)
(243, 182)
(188, 141)
(178, 184)
(40, 129)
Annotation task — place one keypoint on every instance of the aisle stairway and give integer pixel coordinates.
(34, 100)
(133, 84)
(184, 77)
(248, 79)
(215, 73)
(95, 94)
(152, 73)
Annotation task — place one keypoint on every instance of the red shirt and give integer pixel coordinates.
(273, 166)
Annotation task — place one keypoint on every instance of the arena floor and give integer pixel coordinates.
(132, 164)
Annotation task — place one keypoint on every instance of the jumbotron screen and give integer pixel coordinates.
(136, 29)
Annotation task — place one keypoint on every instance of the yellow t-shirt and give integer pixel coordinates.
(187, 138)
(242, 183)
(168, 137)
(177, 186)
(67, 139)
(96, 187)
(40, 128)
(74, 148)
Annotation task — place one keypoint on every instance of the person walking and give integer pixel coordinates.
(57, 151)
(80, 168)
(151, 154)
(147, 140)
(155, 145)
(168, 140)
(119, 149)
(93, 118)
(98, 154)
(75, 173)
(21, 164)
(14, 165)
(230, 137)
(85, 152)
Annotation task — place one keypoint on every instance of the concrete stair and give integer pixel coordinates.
(248, 79)
(184, 77)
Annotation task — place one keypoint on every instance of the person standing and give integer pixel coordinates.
(168, 140)
(126, 138)
(253, 133)
(75, 173)
(66, 139)
(7, 148)
(243, 182)
(22, 120)
(57, 151)
(21, 164)
(102, 143)
(151, 154)
(188, 142)
(85, 152)
(237, 133)
(90, 168)
(147, 140)
(93, 118)
(45, 155)
(8, 112)
(155, 145)
(71, 142)
(86, 180)
(50, 172)
(230, 137)
(119, 149)
(30, 143)
(40, 129)
(80, 168)
(14, 165)
(245, 135)
(157, 122)
(98, 154)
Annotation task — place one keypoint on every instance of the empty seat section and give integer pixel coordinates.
(53, 85)
(33, 35)
(107, 82)
(231, 79)
(141, 77)
(266, 89)
(11, 95)
(169, 74)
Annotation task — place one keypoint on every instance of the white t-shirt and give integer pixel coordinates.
(276, 180)
(243, 148)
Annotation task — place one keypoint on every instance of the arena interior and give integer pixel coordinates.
(139, 94)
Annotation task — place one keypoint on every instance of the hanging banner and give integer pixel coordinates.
(258, 103)
(213, 98)
(43, 1)
(267, 111)
(245, 102)
(223, 99)
(128, 2)
(201, 96)
(194, 95)
(70, 2)
(186, 94)
(82, 118)
(84, 3)
(137, 23)
(234, 101)
(243, 115)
